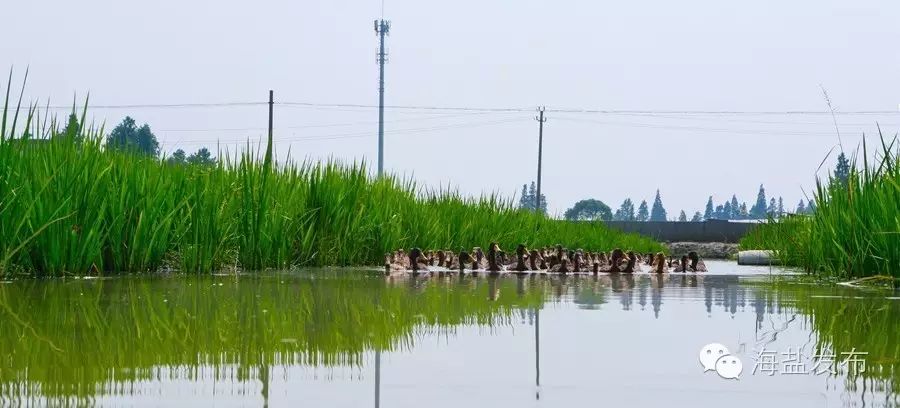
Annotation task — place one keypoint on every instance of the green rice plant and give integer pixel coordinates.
(855, 231)
(69, 206)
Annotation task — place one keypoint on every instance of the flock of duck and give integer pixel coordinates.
(555, 260)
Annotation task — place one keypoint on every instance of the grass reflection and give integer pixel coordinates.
(79, 338)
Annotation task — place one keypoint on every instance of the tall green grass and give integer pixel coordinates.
(67, 206)
(855, 231)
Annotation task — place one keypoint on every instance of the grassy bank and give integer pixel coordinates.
(70, 207)
(855, 231)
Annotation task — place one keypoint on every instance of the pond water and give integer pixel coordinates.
(349, 338)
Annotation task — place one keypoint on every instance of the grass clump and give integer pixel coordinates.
(855, 231)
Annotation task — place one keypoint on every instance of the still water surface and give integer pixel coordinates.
(350, 338)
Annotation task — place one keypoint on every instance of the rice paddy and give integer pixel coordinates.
(248, 338)
(855, 231)
(69, 207)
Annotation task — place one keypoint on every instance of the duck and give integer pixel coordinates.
(535, 260)
(542, 263)
(429, 258)
(441, 258)
(494, 259)
(682, 265)
(402, 258)
(478, 261)
(417, 261)
(521, 254)
(561, 267)
(556, 255)
(391, 266)
(577, 262)
(603, 261)
(616, 260)
(659, 264)
(632, 265)
(464, 258)
(697, 264)
(451, 259)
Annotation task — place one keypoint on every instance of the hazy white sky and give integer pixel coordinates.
(761, 55)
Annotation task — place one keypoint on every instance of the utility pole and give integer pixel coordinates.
(540, 118)
(382, 28)
(268, 159)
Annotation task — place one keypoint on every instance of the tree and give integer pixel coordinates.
(801, 207)
(759, 209)
(842, 170)
(709, 209)
(589, 210)
(682, 217)
(735, 208)
(523, 198)
(72, 130)
(127, 136)
(772, 208)
(177, 157)
(743, 214)
(658, 212)
(526, 201)
(719, 213)
(697, 217)
(780, 207)
(643, 213)
(625, 211)
(726, 211)
(203, 157)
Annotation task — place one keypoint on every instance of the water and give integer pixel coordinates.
(350, 338)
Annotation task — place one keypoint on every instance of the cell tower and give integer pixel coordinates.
(382, 28)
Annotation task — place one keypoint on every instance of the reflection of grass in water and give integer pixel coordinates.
(75, 338)
(844, 318)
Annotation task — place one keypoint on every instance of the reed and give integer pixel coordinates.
(855, 231)
(67, 206)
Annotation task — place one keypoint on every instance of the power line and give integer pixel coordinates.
(764, 122)
(326, 125)
(351, 135)
(480, 109)
(159, 106)
(724, 112)
(407, 107)
(697, 128)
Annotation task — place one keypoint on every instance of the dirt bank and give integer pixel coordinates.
(711, 250)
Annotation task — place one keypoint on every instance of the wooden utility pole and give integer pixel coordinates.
(540, 118)
(268, 159)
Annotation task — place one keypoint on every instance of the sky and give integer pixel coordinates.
(666, 60)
